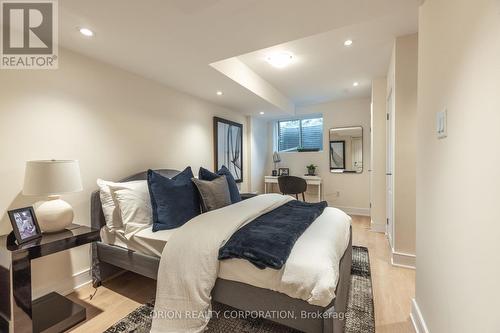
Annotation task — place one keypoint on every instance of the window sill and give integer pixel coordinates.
(300, 152)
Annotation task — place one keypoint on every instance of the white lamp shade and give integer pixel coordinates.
(52, 177)
(276, 157)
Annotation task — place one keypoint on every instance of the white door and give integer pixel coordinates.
(357, 154)
(389, 178)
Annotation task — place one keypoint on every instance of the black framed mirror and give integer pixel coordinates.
(346, 149)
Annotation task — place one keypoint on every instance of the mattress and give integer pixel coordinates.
(145, 241)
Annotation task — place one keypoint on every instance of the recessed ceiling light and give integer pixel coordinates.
(355, 84)
(86, 32)
(280, 59)
(348, 42)
(219, 93)
(261, 113)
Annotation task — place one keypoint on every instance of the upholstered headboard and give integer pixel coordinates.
(96, 214)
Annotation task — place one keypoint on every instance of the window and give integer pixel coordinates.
(300, 134)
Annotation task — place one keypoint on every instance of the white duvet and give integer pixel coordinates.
(189, 266)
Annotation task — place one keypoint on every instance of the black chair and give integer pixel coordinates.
(292, 185)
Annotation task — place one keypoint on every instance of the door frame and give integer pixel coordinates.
(390, 170)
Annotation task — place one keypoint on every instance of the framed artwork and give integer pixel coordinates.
(283, 172)
(24, 224)
(228, 142)
(337, 155)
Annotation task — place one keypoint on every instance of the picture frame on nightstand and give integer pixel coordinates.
(24, 224)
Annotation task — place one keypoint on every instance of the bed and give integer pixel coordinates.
(142, 255)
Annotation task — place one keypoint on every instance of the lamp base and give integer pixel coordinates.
(54, 214)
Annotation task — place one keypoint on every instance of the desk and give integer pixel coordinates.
(310, 180)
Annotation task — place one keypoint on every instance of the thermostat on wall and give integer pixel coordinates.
(441, 127)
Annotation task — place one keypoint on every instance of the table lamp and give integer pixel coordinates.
(52, 178)
(276, 159)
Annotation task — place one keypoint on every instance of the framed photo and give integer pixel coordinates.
(228, 147)
(337, 155)
(283, 172)
(24, 224)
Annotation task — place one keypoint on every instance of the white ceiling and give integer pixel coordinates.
(324, 69)
(174, 41)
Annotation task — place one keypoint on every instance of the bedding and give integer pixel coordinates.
(214, 194)
(268, 240)
(311, 271)
(134, 204)
(174, 201)
(185, 281)
(234, 192)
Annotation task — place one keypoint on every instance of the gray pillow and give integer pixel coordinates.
(214, 194)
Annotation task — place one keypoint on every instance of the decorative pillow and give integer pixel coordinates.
(234, 192)
(174, 201)
(109, 206)
(135, 206)
(214, 194)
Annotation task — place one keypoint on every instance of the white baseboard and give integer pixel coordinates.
(405, 260)
(417, 319)
(65, 287)
(354, 210)
(377, 227)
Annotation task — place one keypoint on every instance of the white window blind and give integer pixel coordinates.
(297, 134)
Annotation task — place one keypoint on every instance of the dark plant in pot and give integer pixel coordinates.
(311, 169)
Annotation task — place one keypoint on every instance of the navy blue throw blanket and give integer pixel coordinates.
(268, 240)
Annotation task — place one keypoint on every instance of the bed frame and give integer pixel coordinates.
(108, 260)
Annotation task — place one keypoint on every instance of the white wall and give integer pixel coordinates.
(458, 183)
(405, 143)
(354, 189)
(259, 153)
(115, 123)
(378, 156)
(402, 81)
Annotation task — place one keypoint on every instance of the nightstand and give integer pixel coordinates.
(49, 313)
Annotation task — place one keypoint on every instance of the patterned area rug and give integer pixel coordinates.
(359, 317)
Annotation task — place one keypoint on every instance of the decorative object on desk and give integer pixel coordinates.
(52, 178)
(228, 147)
(283, 172)
(311, 169)
(24, 224)
(274, 173)
(276, 160)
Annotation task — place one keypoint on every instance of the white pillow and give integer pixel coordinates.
(109, 207)
(134, 204)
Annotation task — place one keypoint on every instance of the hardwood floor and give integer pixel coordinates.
(393, 288)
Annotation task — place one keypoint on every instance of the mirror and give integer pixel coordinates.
(346, 150)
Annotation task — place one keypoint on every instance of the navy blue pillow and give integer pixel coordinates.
(205, 174)
(174, 201)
